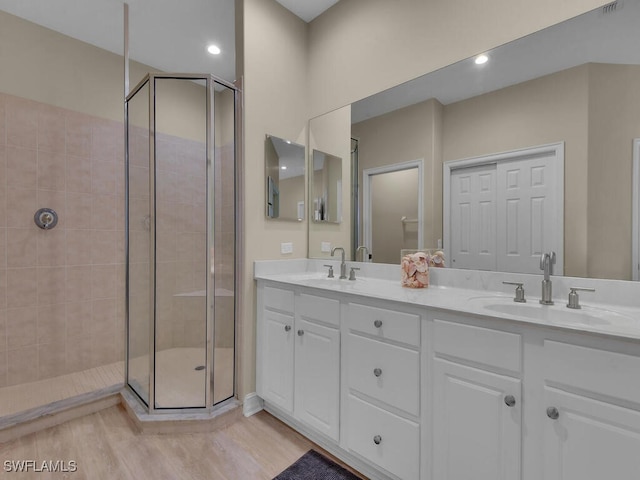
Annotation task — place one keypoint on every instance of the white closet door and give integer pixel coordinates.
(526, 207)
(473, 217)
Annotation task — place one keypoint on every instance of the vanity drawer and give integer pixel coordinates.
(594, 370)
(385, 324)
(389, 441)
(494, 348)
(313, 307)
(278, 299)
(398, 369)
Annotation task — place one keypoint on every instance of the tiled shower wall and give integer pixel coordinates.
(61, 290)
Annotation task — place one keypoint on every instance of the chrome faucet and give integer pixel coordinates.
(365, 256)
(547, 261)
(343, 266)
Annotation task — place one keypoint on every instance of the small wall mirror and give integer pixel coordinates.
(284, 171)
(326, 187)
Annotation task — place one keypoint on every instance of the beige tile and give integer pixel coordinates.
(78, 174)
(21, 247)
(103, 316)
(79, 282)
(103, 281)
(79, 211)
(103, 212)
(3, 287)
(3, 369)
(103, 177)
(79, 247)
(78, 134)
(21, 287)
(167, 217)
(120, 247)
(167, 187)
(139, 181)
(184, 247)
(52, 324)
(22, 365)
(107, 140)
(52, 360)
(21, 206)
(51, 172)
(120, 281)
(21, 327)
(79, 353)
(103, 247)
(103, 351)
(3, 125)
(3, 329)
(51, 247)
(51, 129)
(51, 285)
(3, 247)
(79, 318)
(21, 167)
(21, 122)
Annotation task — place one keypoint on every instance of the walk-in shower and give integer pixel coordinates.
(180, 245)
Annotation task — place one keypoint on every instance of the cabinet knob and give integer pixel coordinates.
(377, 323)
(287, 328)
(377, 439)
(300, 333)
(377, 372)
(510, 400)
(552, 413)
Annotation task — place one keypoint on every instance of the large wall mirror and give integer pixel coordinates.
(480, 129)
(285, 174)
(326, 187)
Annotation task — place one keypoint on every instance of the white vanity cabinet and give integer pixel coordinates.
(477, 398)
(382, 369)
(591, 417)
(298, 356)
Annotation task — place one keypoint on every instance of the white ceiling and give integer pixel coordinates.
(307, 10)
(596, 36)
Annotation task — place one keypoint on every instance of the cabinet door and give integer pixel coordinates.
(317, 377)
(277, 359)
(589, 439)
(476, 434)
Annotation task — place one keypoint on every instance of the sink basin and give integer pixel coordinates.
(558, 313)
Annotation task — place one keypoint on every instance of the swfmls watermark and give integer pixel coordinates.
(39, 466)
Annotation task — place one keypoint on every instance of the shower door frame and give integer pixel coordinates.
(210, 80)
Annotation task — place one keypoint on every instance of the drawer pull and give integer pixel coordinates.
(510, 400)
(300, 333)
(377, 323)
(377, 439)
(552, 413)
(377, 372)
(287, 328)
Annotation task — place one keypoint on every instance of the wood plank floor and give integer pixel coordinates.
(105, 446)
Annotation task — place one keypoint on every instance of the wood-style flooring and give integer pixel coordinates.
(105, 446)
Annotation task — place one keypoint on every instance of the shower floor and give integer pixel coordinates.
(179, 384)
(18, 398)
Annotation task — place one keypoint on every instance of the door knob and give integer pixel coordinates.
(552, 413)
(510, 400)
(287, 328)
(377, 372)
(377, 439)
(300, 333)
(377, 323)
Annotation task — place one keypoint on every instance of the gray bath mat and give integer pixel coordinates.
(313, 466)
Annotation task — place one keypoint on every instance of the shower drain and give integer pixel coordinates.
(199, 367)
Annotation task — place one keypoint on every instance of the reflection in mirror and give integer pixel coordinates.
(326, 181)
(285, 169)
(573, 84)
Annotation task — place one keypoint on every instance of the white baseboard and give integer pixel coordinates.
(252, 404)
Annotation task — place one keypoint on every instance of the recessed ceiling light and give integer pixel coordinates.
(480, 59)
(283, 167)
(213, 49)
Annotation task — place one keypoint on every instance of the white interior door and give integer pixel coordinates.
(502, 211)
(473, 217)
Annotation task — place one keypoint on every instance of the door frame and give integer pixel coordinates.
(553, 149)
(367, 176)
(635, 213)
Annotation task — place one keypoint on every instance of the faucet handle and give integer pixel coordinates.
(519, 292)
(352, 273)
(574, 299)
(330, 275)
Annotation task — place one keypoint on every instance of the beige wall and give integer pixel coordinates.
(275, 99)
(360, 47)
(410, 133)
(331, 134)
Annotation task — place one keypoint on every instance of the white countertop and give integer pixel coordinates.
(619, 320)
